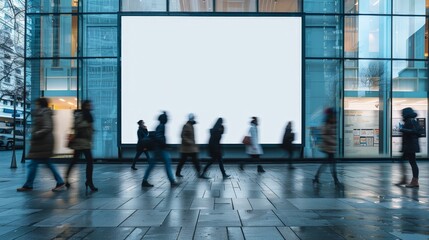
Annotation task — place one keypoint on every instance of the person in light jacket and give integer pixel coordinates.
(41, 145)
(329, 145)
(254, 149)
(188, 148)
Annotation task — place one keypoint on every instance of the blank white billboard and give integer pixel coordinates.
(229, 67)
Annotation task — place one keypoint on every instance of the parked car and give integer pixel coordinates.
(6, 138)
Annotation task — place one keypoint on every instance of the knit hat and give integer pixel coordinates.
(191, 117)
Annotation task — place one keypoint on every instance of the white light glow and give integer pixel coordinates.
(229, 67)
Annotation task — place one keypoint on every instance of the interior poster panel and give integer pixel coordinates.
(228, 67)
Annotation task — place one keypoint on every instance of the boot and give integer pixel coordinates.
(402, 182)
(260, 169)
(413, 184)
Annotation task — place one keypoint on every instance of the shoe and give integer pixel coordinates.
(413, 184)
(225, 176)
(260, 169)
(174, 184)
(146, 184)
(91, 187)
(67, 185)
(291, 167)
(203, 176)
(133, 168)
(179, 175)
(59, 187)
(242, 167)
(24, 189)
(402, 182)
(316, 181)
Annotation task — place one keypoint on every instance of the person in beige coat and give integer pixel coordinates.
(41, 145)
(188, 148)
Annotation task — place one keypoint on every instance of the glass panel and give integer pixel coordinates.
(100, 5)
(99, 84)
(410, 77)
(191, 6)
(366, 108)
(99, 35)
(235, 5)
(279, 5)
(52, 78)
(144, 5)
(367, 6)
(367, 36)
(322, 88)
(52, 6)
(323, 36)
(409, 7)
(409, 37)
(322, 6)
(52, 36)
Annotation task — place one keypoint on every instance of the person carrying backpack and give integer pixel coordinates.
(142, 135)
(411, 131)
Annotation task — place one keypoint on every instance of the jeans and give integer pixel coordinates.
(160, 154)
(32, 170)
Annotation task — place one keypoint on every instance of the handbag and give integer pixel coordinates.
(246, 140)
(70, 140)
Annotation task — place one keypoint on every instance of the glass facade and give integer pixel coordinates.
(366, 58)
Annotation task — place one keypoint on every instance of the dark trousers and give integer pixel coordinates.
(182, 161)
(411, 157)
(138, 153)
(211, 161)
(89, 164)
(255, 157)
(329, 160)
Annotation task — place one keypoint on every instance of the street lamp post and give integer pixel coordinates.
(13, 161)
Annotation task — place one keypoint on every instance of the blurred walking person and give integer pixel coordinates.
(411, 131)
(41, 145)
(160, 153)
(215, 149)
(329, 145)
(82, 143)
(287, 143)
(254, 149)
(142, 134)
(188, 149)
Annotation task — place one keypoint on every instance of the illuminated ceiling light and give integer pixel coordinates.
(62, 100)
(70, 103)
(357, 3)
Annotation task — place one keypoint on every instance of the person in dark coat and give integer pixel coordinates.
(329, 145)
(287, 145)
(142, 133)
(215, 148)
(188, 148)
(41, 145)
(411, 131)
(160, 153)
(82, 143)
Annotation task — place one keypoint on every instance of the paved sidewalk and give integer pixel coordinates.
(278, 204)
